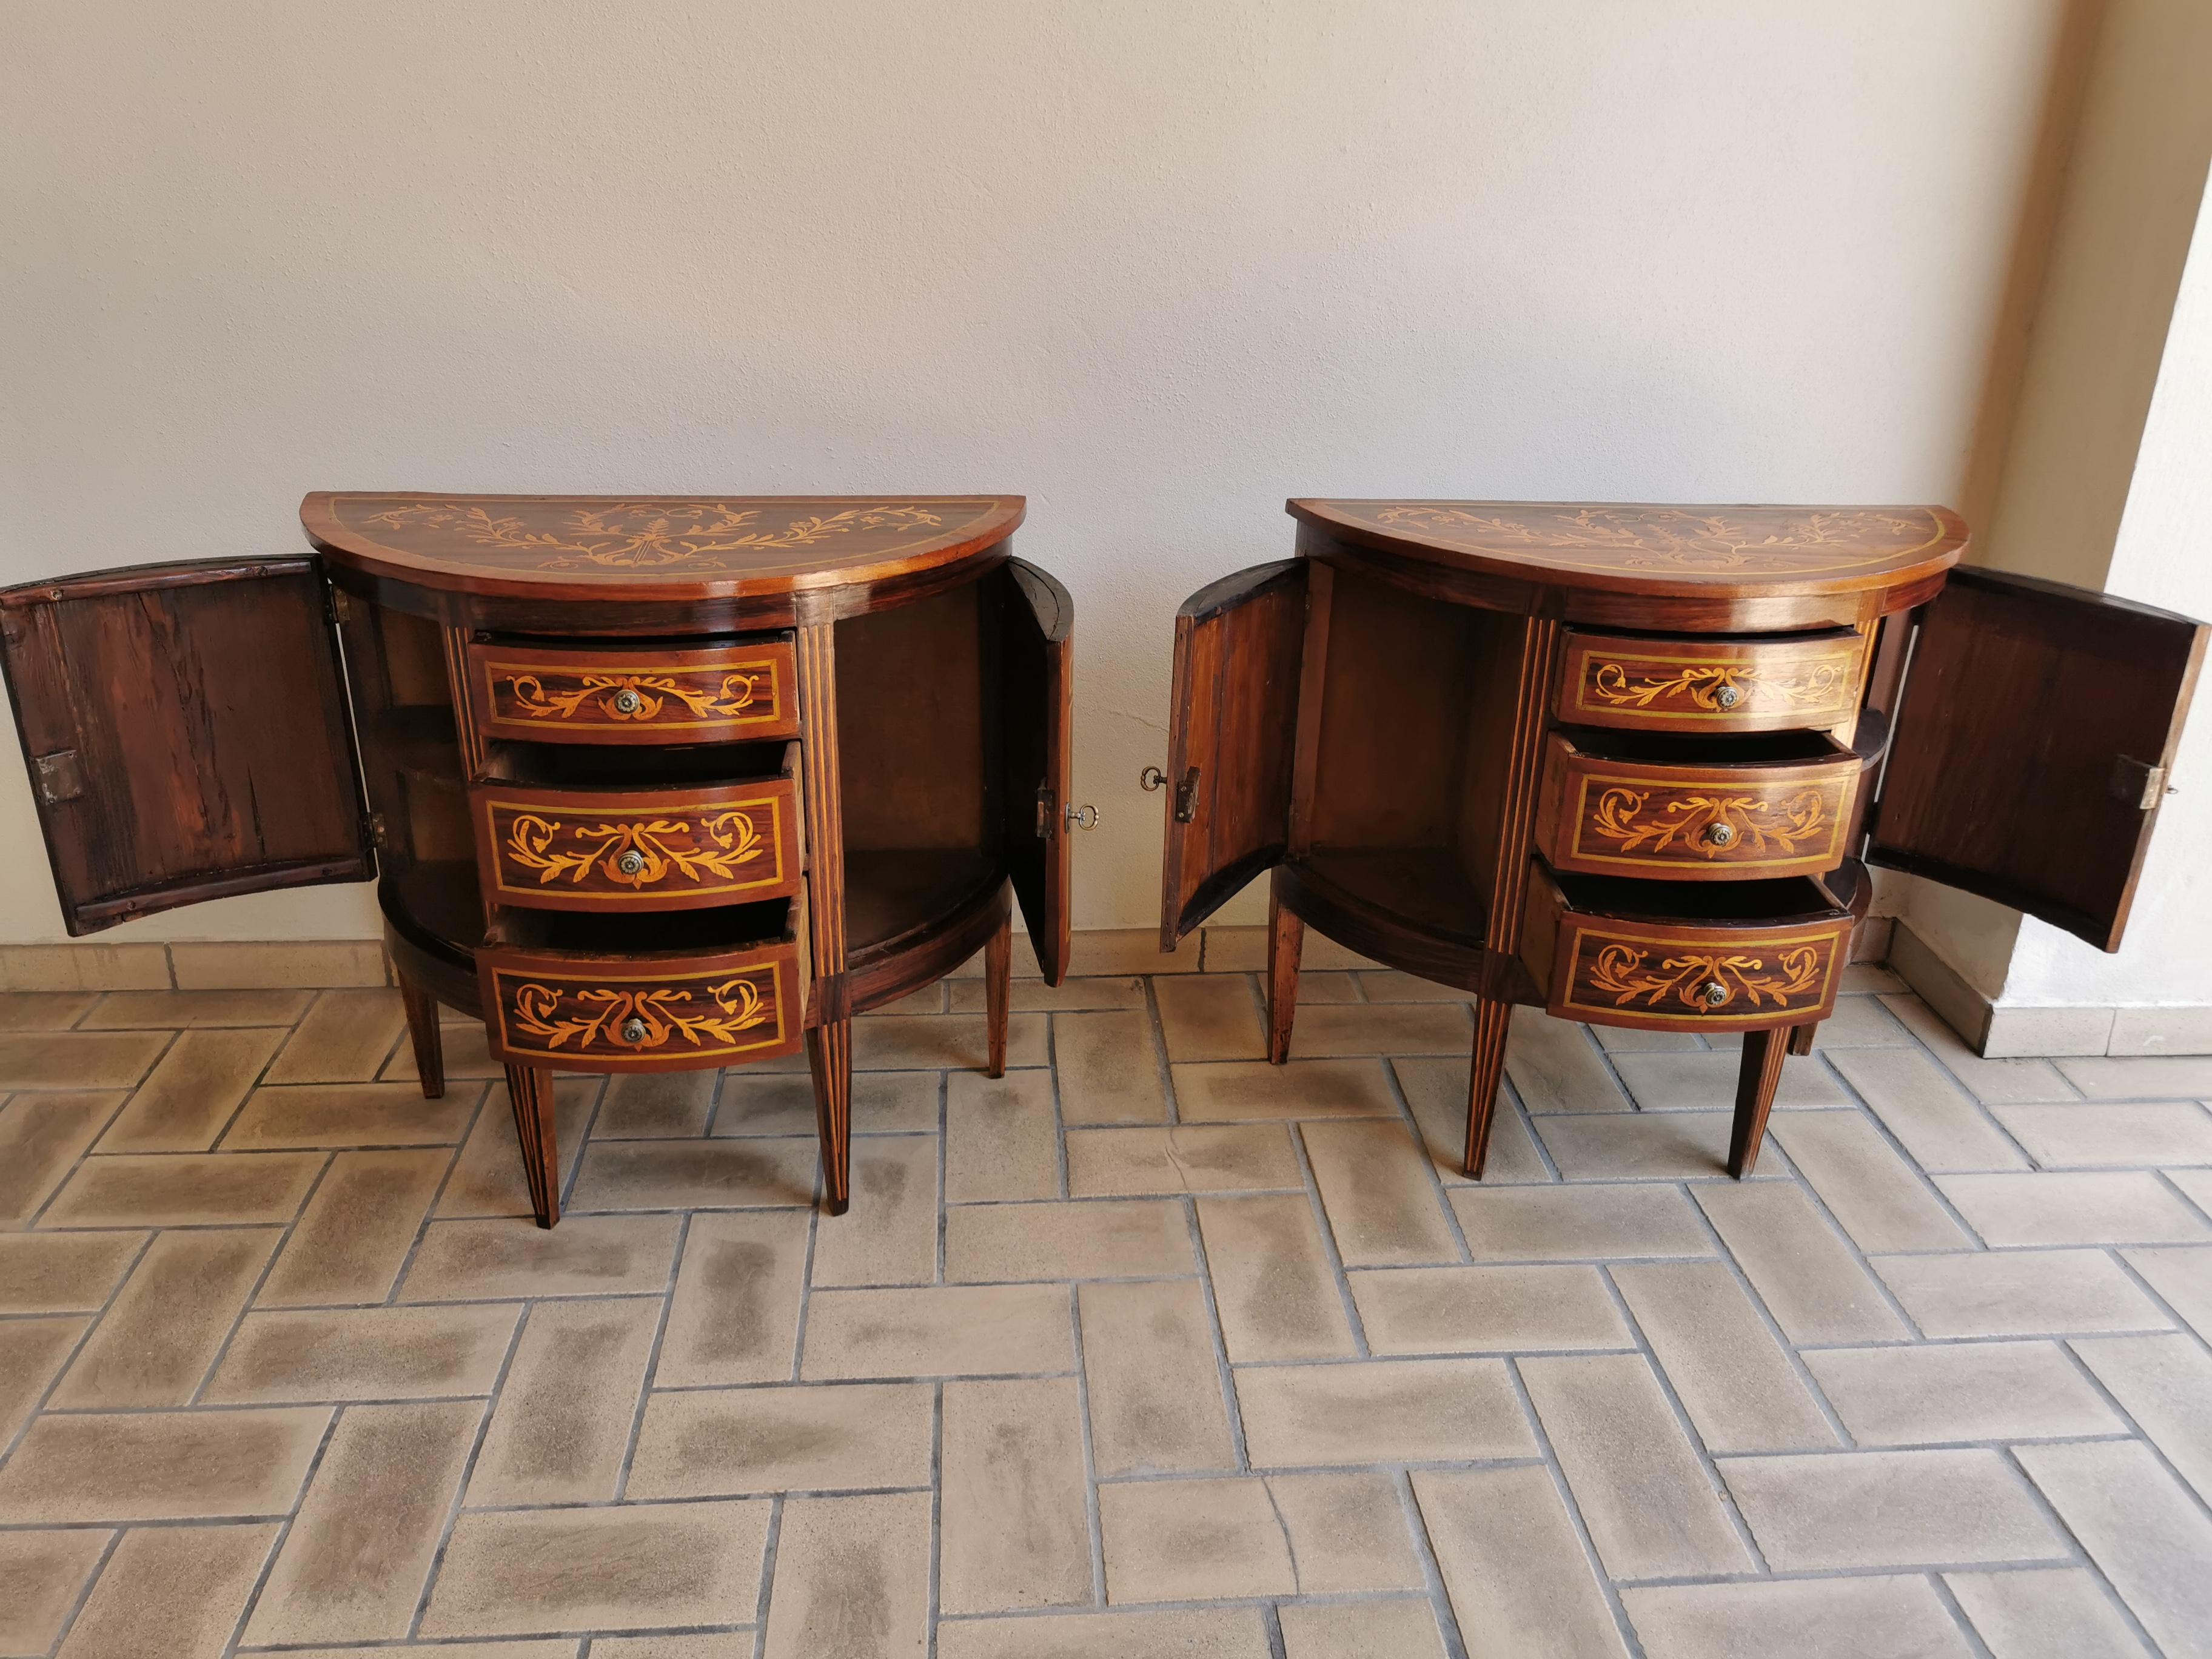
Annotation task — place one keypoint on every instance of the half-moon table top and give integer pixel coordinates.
(1655, 549)
(658, 547)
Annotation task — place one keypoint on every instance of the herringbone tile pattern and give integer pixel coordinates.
(1147, 1349)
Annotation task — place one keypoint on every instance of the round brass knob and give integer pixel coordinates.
(1727, 695)
(1721, 834)
(630, 862)
(1713, 992)
(633, 1029)
(627, 702)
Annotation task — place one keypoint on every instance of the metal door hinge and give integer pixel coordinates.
(2140, 785)
(379, 836)
(342, 605)
(1186, 797)
(60, 777)
(1044, 818)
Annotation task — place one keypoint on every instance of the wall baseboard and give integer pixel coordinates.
(2013, 1033)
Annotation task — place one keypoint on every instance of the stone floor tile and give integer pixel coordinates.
(2033, 1293)
(851, 1578)
(1648, 1146)
(1437, 1090)
(1397, 1629)
(1193, 1541)
(465, 1050)
(1870, 979)
(1858, 1022)
(364, 1353)
(563, 1425)
(176, 1592)
(1807, 1276)
(2165, 1383)
(79, 1060)
(1244, 950)
(1812, 1619)
(1383, 1205)
(702, 1175)
(719, 1443)
(1081, 1238)
(758, 1100)
(1273, 1286)
(1877, 1197)
(523, 1571)
(2160, 1032)
(343, 1038)
(1929, 1395)
(1734, 1379)
(1111, 952)
(78, 966)
(304, 1114)
(1649, 1506)
(203, 1190)
(355, 1233)
(280, 963)
(1002, 1138)
(32, 1351)
(1015, 1529)
(1397, 1410)
(1153, 1379)
(656, 1105)
(943, 1043)
(2064, 1137)
(1993, 1082)
(1211, 1017)
(63, 1272)
(1705, 1081)
(161, 1465)
(1932, 1118)
(1071, 995)
(166, 1325)
(1386, 985)
(1332, 1031)
(188, 1098)
(1556, 1067)
(1348, 1533)
(890, 1235)
(354, 1563)
(1405, 1310)
(488, 1179)
(1238, 1091)
(1204, 1633)
(1108, 1068)
(1889, 1508)
(929, 1000)
(2183, 1276)
(2049, 1612)
(42, 1137)
(2148, 1077)
(2141, 1527)
(1206, 1158)
(1629, 1039)
(585, 1255)
(952, 1330)
(2117, 1207)
(734, 1317)
(2195, 1185)
(178, 1011)
(1519, 1577)
(44, 1572)
(47, 1010)
(1579, 1224)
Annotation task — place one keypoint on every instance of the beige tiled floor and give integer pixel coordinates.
(1147, 1349)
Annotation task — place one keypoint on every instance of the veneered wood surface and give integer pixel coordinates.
(2032, 715)
(186, 732)
(1038, 709)
(629, 695)
(1692, 684)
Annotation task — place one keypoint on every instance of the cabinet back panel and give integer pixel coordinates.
(912, 704)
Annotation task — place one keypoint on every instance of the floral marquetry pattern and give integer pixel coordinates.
(633, 697)
(1719, 687)
(550, 696)
(635, 854)
(1712, 826)
(708, 1018)
(641, 858)
(1735, 684)
(1762, 981)
(702, 536)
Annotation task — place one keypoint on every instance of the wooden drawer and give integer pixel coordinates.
(640, 849)
(1805, 681)
(1775, 806)
(714, 693)
(1609, 952)
(608, 1005)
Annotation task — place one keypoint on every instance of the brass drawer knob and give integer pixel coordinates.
(630, 862)
(1720, 835)
(627, 702)
(1727, 695)
(1713, 992)
(633, 1029)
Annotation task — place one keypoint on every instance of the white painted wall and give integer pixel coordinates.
(1157, 266)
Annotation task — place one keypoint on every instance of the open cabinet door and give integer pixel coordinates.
(186, 732)
(1039, 663)
(2031, 745)
(1237, 647)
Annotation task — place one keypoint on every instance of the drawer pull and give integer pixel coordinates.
(633, 1028)
(1721, 833)
(630, 862)
(1714, 993)
(627, 702)
(1726, 695)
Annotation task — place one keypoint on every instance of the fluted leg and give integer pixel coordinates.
(1286, 938)
(1492, 1020)
(998, 990)
(1763, 1054)
(1801, 1037)
(530, 1089)
(829, 1053)
(430, 1046)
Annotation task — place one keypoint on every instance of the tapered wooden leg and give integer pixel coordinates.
(530, 1089)
(1801, 1037)
(1492, 1020)
(998, 990)
(1286, 938)
(1763, 1054)
(829, 1053)
(430, 1046)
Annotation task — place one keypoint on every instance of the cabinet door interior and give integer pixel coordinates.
(1237, 649)
(2036, 724)
(1039, 663)
(187, 732)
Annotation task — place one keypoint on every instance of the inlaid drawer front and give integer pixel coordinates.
(1809, 681)
(561, 850)
(640, 1015)
(1694, 821)
(545, 696)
